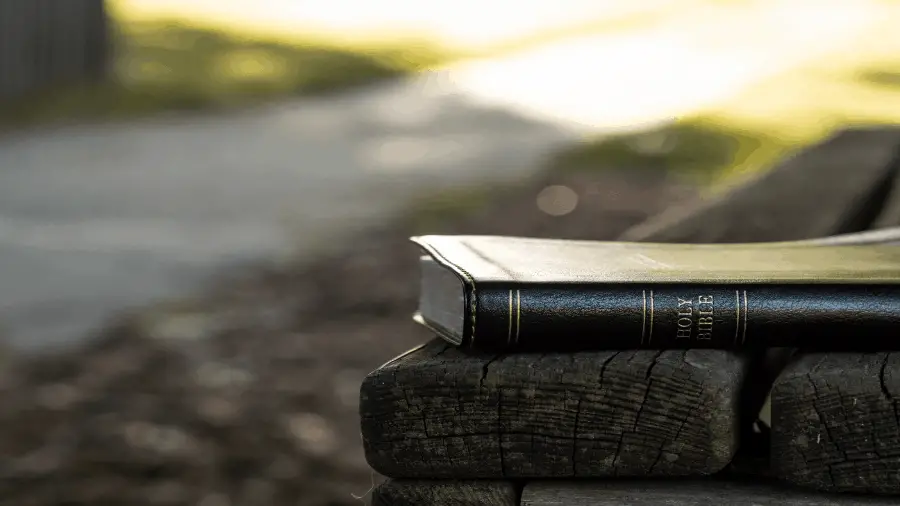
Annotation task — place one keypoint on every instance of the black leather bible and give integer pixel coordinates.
(500, 293)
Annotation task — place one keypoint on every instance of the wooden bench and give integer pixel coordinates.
(463, 429)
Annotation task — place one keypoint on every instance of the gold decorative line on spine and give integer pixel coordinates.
(518, 314)
(509, 332)
(650, 336)
(644, 318)
(746, 310)
(737, 315)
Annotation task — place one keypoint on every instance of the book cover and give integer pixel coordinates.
(495, 292)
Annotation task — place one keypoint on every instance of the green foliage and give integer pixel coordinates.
(693, 149)
(166, 65)
(701, 151)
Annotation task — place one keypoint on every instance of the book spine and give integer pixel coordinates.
(625, 316)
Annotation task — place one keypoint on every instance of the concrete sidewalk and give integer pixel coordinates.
(97, 219)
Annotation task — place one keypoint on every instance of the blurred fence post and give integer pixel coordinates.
(46, 43)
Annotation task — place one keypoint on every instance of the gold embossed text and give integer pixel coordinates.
(694, 318)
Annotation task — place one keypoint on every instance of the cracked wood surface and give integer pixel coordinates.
(445, 493)
(853, 173)
(835, 422)
(690, 493)
(441, 413)
(846, 183)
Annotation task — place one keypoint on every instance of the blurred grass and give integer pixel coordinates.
(168, 65)
(720, 146)
(754, 129)
(886, 78)
(181, 64)
(700, 150)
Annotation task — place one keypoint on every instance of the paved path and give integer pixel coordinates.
(96, 219)
(99, 218)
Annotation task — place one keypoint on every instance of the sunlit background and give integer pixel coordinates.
(221, 172)
(651, 62)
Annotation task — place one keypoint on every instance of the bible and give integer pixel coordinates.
(504, 293)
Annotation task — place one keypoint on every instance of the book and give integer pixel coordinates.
(504, 293)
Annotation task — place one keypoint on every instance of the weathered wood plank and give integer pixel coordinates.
(833, 417)
(835, 422)
(441, 413)
(445, 493)
(854, 180)
(836, 186)
(690, 493)
(852, 171)
(844, 184)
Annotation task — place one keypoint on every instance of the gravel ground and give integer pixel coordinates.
(248, 394)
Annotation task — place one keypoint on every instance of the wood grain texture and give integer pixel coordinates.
(836, 186)
(689, 493)
(833, 416)
(445, 493)
(835, 423)
(441, 413)
(846, 183)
